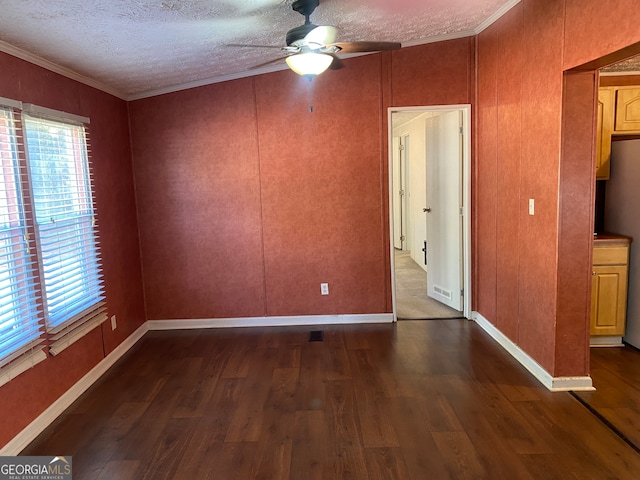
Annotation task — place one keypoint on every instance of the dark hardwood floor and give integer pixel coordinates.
(415, 400)
(616, 376)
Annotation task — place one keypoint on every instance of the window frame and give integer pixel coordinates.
(76, 256)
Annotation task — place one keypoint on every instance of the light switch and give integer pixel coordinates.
(532, 206)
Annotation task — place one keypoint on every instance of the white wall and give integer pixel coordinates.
(621, 216)
(416, 200)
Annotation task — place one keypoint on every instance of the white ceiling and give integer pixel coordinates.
(138, 48)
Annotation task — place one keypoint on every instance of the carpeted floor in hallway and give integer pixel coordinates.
(411, 292)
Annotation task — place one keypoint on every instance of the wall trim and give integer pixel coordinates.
(59, 69)
(306, 320)
(46, 418)
(496, 16)
(555, 384)
(606, 341)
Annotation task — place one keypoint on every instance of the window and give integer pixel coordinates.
(50, 273)
(20, 325)
(65, 228)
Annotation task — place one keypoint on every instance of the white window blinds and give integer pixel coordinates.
(50, 274)
(66, 230)
(20, 319)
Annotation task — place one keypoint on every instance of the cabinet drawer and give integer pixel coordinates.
(617, 255)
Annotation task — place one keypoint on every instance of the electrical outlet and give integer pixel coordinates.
(324, 288)
(114, 324)
(532, 206)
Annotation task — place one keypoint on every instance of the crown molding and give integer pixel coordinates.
(54, 67)
(205, 81)
(496, 16)
(439, 38)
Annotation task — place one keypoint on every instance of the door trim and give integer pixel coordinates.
(466, 198)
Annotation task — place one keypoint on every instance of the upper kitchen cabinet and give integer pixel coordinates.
(627, 119)
(606, 108)
(618, 114)
(618, 109)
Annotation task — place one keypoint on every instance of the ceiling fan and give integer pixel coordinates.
(311, 49)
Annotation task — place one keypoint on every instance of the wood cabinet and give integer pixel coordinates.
(609, 289)
(618, 114)
(606, 110)
(627, 119)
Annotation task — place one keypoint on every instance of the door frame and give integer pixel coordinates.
(466, 198)
(400, 166)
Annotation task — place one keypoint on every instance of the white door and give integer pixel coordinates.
(443, 208)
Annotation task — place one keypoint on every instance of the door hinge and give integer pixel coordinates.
(462, 292)
(402, 193)
(461, 211)
(401, 147)
(402, 238)
(461, 132)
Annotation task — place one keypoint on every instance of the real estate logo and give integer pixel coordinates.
(35, 468)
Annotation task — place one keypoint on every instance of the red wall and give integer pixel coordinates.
(253, 192)
(534, 140)
(28, 395)
(596, 29)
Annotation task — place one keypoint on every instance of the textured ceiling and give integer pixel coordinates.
(135, 48)
(630, 65)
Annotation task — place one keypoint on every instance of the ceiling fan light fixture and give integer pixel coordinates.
(309, 63)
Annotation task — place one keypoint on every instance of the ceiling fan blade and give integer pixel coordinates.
(320, 36)
(355, 47)
(270, 62)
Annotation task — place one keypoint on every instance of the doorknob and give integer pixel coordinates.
(426, 210)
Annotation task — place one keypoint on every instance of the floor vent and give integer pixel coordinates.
(441, 291)
(316, 336)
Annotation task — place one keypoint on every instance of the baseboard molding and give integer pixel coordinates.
(46, 418)
(555, 384)
(606, 341)
(306, 320)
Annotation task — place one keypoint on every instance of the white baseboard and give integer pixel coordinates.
(555, 384)
(36, 427)
(306, 320)
(606, 341)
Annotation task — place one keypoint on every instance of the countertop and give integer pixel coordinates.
(608, 238)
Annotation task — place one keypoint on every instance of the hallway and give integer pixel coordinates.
(412, 302)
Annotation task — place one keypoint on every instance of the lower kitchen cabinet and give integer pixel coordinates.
(609, 289)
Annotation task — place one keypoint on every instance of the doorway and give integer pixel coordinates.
(429, 202)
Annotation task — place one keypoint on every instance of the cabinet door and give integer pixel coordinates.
(627, 110)
(606, 97)
(609, 300)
